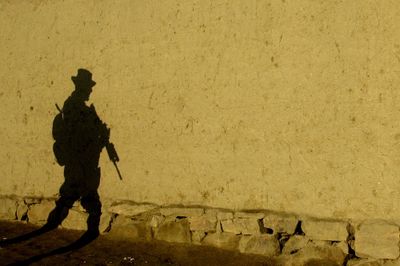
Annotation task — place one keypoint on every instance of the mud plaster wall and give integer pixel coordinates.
(283, 105)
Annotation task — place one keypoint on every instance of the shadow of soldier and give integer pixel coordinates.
(79, 136)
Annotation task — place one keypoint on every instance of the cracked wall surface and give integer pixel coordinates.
(280, 105)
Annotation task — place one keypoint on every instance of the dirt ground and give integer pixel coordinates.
(108, 251)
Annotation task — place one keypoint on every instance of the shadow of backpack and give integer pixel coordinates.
(59, 132)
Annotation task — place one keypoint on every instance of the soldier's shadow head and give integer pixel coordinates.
(83, 84)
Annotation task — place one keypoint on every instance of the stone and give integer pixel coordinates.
(174, 231)
(105, 221)
(325, 230)
(377, 239)
(129, 209)
(78, 206)
(203, 223)
(343, 246)
(183, 212)
(316, 255)
(22, 210)
(30, 201)
(351, 244)
(222, 240)
(281, 223)
(211, 212)
(156, 220)
(365, 262)
(224, 215)
(266, 245)
(245, 226)
(392, 263)
(197, 237)
(243, 243)
(229, 227)
(76, 220)
(8, 209)
(253, 215)
(294, 244)
(38, 213)
(320, 243)
(123, 227)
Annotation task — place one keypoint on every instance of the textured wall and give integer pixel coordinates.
(283, 105)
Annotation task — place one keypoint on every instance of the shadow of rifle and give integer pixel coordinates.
(112, 154)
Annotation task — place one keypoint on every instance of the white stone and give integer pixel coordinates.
(229, 227)
(365, 262)
(222, 240)
(78, 206)
(377, 239)
(224, 215)
(126, 228)
(294, 244)
(245, 226)
(38, 213)
(128, 209)
(392, 263)
(281, 223)
(22, 209)
(156, 220)
(243, 243)
(8, 209)
(105, 221)
(75, 220)
(325, 230)
(30, 201)
(174, 231)
(343, 246)
(211, 212)
(219, 227)
(320, 243)
(203, 223)
(351, 244)
(197, 237)
(266, 245)
(184, 212)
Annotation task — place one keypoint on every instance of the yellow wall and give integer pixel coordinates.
(282, 105)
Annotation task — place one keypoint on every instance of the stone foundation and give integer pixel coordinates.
(296, 240)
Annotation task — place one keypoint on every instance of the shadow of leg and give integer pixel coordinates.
(55, 218)
(92, 205)
(84, 240)
(27, 236)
